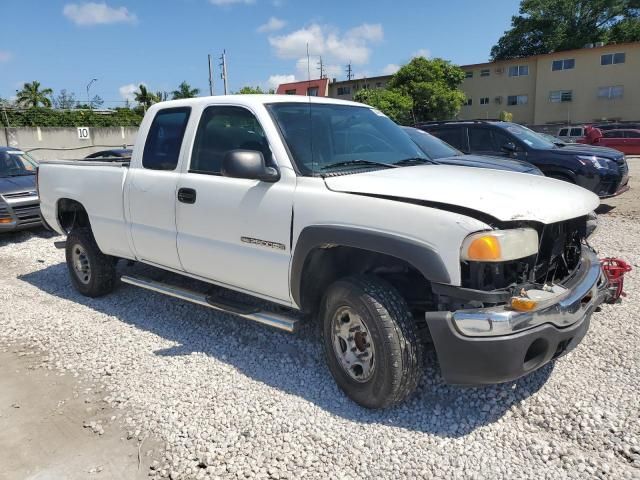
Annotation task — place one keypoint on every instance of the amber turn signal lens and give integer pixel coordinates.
(484, 248)
(5, 220)
(523, 304)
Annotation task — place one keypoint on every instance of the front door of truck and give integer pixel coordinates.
(151, 189)
(234, 231)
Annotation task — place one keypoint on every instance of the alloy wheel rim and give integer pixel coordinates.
(81, 264)
(352, 344)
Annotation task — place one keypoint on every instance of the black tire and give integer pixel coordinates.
(101, 277)
(397, 351)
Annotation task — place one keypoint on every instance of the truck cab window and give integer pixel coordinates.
(223, 129)
(162, 148)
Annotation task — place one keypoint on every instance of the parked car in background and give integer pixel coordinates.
(123, 153)
(571, 134)
(603, 171)
(444, 154)
(625, 140)
(19, 203)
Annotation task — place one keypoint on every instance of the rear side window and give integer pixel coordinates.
(221, 130)
(576, 132)
(630, 134)
(563, 132)
(451, 135)
(162, 148)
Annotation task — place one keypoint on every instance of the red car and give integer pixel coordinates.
(625, 140)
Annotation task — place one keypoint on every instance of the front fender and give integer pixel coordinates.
(419, 255)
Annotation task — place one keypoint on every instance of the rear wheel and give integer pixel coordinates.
(370, 340)
(92, 272)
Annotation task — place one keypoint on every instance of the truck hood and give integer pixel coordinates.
(24, 183)
(502, 195)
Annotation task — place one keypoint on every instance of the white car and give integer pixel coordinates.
(327, 207)
(571, 134)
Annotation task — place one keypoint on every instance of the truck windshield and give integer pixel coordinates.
(14, 163)
(325, 138)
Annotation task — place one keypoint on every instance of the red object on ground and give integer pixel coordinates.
(614, 269)
(625, 140)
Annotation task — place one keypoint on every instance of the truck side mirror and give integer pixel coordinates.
(509, 148)
(248, 164)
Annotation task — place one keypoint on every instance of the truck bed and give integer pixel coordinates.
(99, 186)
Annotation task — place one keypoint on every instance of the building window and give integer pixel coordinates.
(519, 70)
(378, 84)
(290, 92)
(558, 96)
(344, 90)
(468, 74)
(468, 102)
(517, 99)
(485, 72)
(484, 101)
(566, 64)
(611, 92)
(612, 58)
(312, 91)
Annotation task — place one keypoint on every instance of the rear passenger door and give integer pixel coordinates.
(235, 231)
(151, 189)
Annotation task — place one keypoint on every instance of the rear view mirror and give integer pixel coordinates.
(509, 147)
(248, 164)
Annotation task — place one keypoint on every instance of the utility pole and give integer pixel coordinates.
(349, 73)
(88, 87)
(210, 77)
(223, 66)
(321, 68)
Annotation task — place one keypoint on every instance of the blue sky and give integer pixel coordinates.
(64, 44)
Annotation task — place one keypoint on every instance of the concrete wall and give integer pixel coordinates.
(45, 143)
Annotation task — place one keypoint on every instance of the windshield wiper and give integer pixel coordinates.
(364, 163)
(413, 161)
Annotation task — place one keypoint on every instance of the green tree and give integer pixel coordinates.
(393, 103)
(248, 90)
(144, 97)
(185, 91)
(432, 86)
(545, 26)
(64, 100)
(32, 96)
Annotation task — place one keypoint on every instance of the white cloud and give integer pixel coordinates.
(127, 91)
(97, 14)
(272, 25)
(423, 52)
(275, 80)
(5, 56)
(352, 46)
(390, 69)
(228, 3)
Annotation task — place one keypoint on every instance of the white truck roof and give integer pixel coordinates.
(253, 100)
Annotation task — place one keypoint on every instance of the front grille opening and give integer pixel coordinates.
(586, 299)
(536, 354)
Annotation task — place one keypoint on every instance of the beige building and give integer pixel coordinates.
(596, 83)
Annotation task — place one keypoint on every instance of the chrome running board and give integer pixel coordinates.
(275, 320)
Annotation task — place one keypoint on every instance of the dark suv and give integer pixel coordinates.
(604, 171)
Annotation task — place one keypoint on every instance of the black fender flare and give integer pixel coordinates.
(420, 256)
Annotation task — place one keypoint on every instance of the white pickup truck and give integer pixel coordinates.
(326, 207)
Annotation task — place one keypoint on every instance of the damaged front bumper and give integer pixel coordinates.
(498, 344)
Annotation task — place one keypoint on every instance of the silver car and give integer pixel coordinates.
(19, 202)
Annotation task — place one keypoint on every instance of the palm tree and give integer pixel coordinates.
(185, 91)
(144, 97)
(31, 95)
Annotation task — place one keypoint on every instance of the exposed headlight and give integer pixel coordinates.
(594, 160)
(500, 245)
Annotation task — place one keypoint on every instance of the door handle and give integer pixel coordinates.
(187, 195)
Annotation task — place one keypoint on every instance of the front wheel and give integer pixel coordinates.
(370, 339)
(92, 272)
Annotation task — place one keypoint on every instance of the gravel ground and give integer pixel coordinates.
(236, 400)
